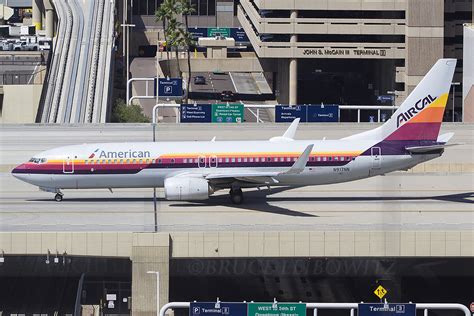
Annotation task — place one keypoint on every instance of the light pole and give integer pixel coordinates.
(157, 273)
(394, 93)
(128, 26)
(454, 84)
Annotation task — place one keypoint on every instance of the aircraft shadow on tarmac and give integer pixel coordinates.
(259, 201)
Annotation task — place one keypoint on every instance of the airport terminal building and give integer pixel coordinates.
(337, 51)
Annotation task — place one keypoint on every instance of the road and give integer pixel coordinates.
(399, 201)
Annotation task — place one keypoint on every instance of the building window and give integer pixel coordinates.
(136, 7)
(203, 7)
(211, 7)
(195, 4)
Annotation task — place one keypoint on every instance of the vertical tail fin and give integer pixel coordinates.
(420, 115)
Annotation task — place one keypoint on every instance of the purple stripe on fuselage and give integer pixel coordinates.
(121, 168)
(397, 147)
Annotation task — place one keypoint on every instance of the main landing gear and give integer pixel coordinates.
(58, 197)
(236, 196)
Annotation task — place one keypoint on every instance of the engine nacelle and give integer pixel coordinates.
(187, 189)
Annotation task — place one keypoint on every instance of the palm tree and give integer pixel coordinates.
(186, 9)
(187, 41)
(175, 41)
(164, 13)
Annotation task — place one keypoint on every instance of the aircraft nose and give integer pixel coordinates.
(20, 172)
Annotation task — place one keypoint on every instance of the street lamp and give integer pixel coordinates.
(394, 93)
(157, 273)
(454, 84)
(128, 26)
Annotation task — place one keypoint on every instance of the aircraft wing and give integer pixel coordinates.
(258, 177)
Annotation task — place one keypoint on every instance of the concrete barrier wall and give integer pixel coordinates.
(20, 103)
(242, 244)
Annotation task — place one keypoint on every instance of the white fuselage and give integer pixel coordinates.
(142, 165)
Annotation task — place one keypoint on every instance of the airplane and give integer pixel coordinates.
(195, 170)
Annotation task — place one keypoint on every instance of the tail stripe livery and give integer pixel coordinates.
(423, 125)
(419, 117)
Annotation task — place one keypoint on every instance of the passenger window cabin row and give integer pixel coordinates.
(214, 159)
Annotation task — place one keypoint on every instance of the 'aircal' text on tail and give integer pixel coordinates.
(419, 105)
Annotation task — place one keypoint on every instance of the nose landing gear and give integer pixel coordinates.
(236, 196)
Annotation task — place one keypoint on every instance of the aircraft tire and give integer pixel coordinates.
(58, 197)
(236, 196)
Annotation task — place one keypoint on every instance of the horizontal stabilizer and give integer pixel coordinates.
(428, 149)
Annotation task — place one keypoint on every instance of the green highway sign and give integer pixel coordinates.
(279, 309)
(214, 31)
(227, 113)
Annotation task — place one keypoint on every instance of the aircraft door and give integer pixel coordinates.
(213, 162)
(376, 154)
(68, 165)
(202, 161)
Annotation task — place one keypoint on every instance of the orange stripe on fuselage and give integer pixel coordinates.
(261, 154)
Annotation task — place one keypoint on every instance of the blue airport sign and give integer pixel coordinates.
(198, 32)
(287, 113)
(239, 35)
(380, 309)
(170, 88)
(384, 98)
(323, 113)
(217, 309)
(196, 113)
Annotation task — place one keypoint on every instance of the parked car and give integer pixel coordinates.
(24, 46)
(6, 44)
(227, 95)
(199, 80)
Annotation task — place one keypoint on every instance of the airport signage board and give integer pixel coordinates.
(279, 309)
(323, 113)
(227, 113)
(214, 31)
(331, 52)
(217, 309)
(380, 309)
(170, 88)
(198, 32)
(196, 113)
(287, 113)
(384, 98)
(239, 35)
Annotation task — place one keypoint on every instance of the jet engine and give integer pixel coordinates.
(187, 188)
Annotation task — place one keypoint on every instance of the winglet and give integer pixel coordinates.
(289, 134)
(301, 162)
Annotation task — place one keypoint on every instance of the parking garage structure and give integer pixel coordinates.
(401, 40)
